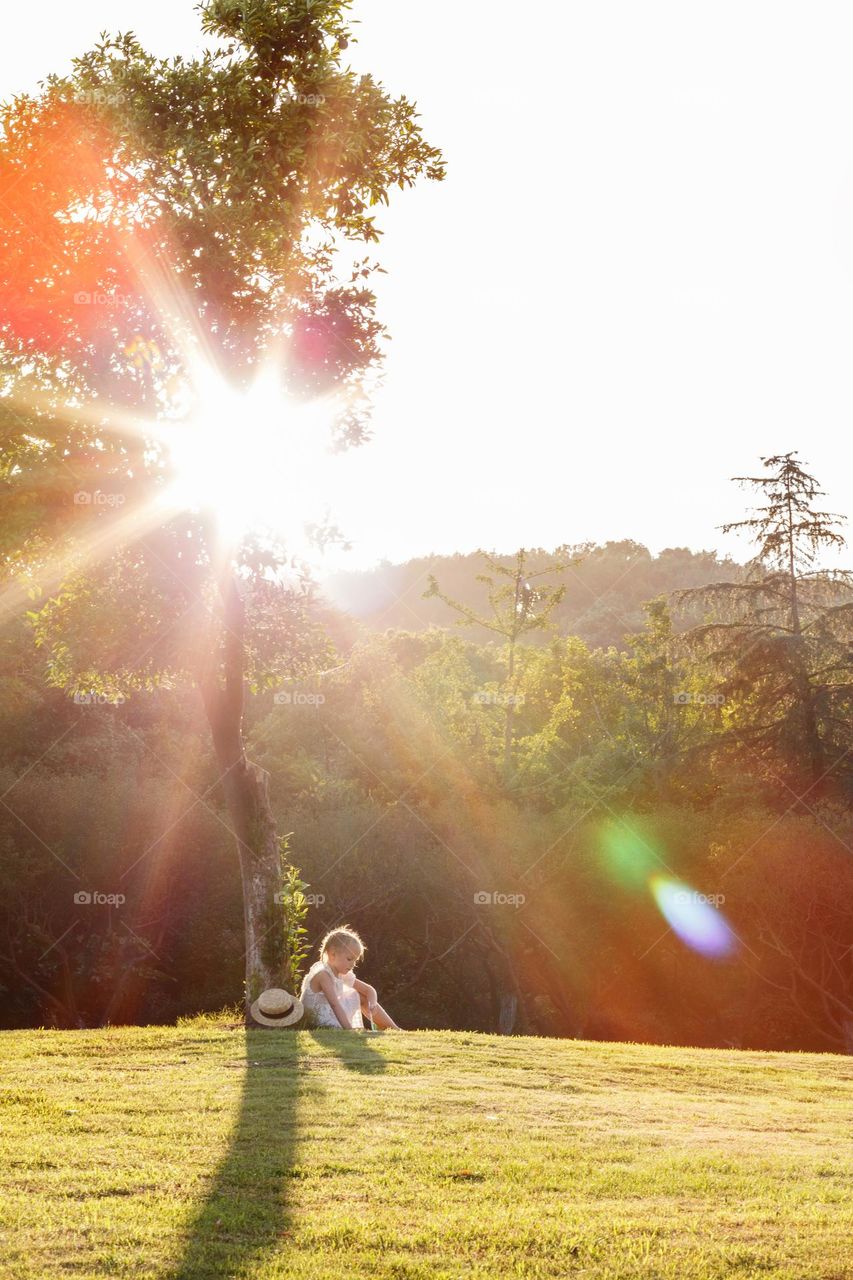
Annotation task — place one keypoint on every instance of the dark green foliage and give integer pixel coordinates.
(399, 813)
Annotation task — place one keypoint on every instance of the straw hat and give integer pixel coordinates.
(276, 1008)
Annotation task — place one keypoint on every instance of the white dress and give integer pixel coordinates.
(316, 1001)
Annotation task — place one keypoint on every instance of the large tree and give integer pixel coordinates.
(168, 229)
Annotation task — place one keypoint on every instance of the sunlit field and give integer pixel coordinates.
(198, 1151)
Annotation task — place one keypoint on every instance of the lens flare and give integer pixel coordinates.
(693, 917)
(253, 458)
(629, 857)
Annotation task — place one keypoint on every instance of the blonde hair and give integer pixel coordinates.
(339, 937)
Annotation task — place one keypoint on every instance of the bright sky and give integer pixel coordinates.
(637, 278)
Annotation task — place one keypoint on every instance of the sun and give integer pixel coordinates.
(255, 459)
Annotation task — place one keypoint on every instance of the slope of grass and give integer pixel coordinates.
(199, 1151)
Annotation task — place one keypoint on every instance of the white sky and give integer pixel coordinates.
(637, 278)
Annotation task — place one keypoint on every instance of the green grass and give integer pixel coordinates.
(200, 1151)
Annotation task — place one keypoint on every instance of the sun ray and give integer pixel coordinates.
(97, 546)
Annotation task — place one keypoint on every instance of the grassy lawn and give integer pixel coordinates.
(200, 1151)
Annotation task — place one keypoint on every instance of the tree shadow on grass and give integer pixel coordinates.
(356, 1051)
(247, 1211)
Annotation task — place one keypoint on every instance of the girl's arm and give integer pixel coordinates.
(326, 984)
(365, 989)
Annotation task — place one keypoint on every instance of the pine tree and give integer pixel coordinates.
(781, 641)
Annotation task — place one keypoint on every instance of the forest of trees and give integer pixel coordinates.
(536, 782)
(489, 814)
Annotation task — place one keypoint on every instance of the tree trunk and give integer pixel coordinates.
(510, 711)
(506, 994)
(811, 732)
(847, 1032)
(508, 1013)
(246, 788)
(805, 693)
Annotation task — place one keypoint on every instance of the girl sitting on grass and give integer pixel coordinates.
(331, 990)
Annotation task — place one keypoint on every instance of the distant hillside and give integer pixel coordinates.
(603, 603)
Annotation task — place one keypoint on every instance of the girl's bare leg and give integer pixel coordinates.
(383, 1020)
(380, 1018)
